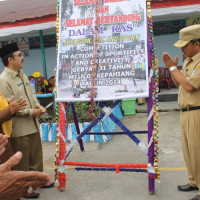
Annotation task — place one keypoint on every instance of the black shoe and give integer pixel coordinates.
(196, 198)
(187, 188)
(49, 186)
(33, 195)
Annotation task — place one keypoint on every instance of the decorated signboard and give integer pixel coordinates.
(121, 61)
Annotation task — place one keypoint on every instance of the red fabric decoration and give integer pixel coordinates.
(172, 3)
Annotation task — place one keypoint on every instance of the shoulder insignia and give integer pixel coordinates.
(197, 67)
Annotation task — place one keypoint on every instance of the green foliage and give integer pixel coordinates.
(82, 112)
(47, 118)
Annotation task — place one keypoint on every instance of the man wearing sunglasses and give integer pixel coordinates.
(188, 83)
(25, 135)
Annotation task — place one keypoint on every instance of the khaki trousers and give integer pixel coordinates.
(190, 134)
(31, 147)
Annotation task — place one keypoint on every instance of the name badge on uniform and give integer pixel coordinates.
(19, 84)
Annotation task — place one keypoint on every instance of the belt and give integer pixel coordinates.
(190, 108)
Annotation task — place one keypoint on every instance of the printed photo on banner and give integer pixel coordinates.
(122, 65)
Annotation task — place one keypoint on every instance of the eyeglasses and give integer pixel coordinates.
(18, 55)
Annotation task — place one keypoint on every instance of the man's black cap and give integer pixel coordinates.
(8, 49)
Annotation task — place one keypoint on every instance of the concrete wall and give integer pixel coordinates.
(33, 63)
(165, 43)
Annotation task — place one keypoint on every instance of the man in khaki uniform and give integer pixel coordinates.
(188, 82)
(25, 131)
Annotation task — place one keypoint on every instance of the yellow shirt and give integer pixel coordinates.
(7, 125)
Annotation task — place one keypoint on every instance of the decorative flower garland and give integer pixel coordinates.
(155, 89)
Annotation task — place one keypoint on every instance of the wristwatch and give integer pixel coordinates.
(172, 68)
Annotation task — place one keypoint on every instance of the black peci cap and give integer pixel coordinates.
(8, 49)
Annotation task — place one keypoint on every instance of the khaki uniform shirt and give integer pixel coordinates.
(191, 69)
(17, 84)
